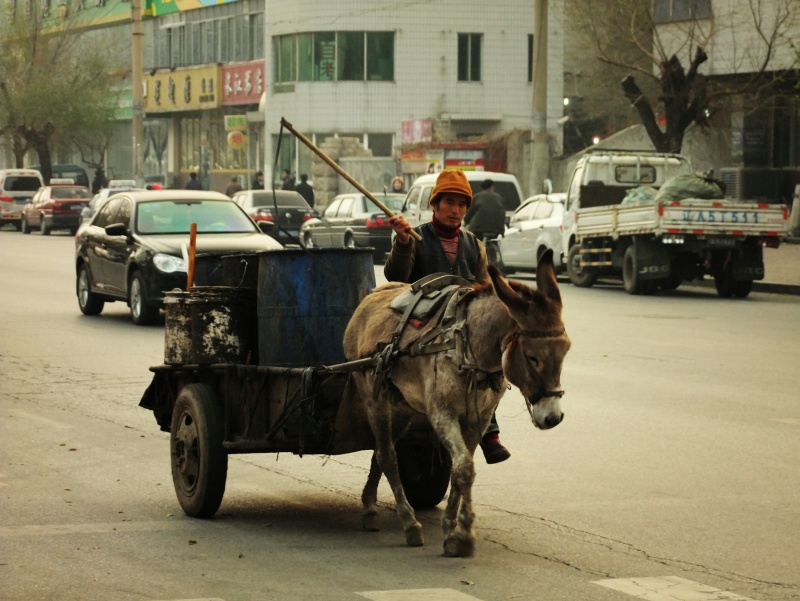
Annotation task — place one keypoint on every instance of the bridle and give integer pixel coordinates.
(542, 393)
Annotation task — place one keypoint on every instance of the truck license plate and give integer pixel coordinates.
(730, 217)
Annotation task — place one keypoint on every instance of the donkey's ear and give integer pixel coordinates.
(546, 281)
(505, 292)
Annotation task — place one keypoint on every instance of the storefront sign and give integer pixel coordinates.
(464, 160)
(235, 123)
(237, 140)
(243, 83)
(165, 7)
(182, 90)
(417, 130)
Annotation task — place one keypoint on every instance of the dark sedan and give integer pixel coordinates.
(285, 208)
(352, 220)
(135, 246)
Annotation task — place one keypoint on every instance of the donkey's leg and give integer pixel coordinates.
(369, 497)
(379, 414)
(458, 517)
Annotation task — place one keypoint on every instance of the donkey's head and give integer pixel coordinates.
(534, 351)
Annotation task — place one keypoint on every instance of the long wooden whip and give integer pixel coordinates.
(342, 172)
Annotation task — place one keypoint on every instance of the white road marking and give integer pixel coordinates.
(419, 594)
(669, 588)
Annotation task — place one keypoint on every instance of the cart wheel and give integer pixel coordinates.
(199, 463)
(424, 473)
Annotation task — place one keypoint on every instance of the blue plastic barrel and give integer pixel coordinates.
(305, 300)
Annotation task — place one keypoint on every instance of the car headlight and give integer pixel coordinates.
(168, 263)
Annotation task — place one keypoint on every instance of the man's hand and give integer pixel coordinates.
(401, 228)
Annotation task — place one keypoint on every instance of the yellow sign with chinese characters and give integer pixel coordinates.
(182, 89)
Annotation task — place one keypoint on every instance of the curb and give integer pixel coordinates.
(765, 287)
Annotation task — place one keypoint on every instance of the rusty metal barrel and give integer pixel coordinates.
(211, 324)
(305, 300)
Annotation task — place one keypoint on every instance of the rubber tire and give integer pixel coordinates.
(24, 227)
(88, 301)
(308, 241)
(45, 231)
(424, 472)
(630, 274)
(142, 313)
(199, 461)
(349, 242)
(724, 282)
(741, 288)
(582, 278)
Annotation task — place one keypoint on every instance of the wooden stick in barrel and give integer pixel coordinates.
(342, 172)
(192, 252)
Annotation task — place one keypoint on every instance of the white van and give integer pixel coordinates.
(17, 187)
(417, 209)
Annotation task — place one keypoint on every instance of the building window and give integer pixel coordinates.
(334, 56)
(530, 58)
(469, 57)
(665, 11)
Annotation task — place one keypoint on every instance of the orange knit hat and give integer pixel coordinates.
(454, 182)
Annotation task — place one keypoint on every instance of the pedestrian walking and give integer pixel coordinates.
(193, 183)
(233, 187)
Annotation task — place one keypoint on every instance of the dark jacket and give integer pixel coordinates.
(306, 191)
(487, 215)
(408, 263)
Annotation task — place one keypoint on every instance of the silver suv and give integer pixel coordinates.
(17, 187)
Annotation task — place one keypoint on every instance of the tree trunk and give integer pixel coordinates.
(39, 140)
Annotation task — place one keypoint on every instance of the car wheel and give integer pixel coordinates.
(199, 461)
(43, 228)
(142, 313)
(88, 301)
(630, 272)
(582, 277)
(349, 242)
(24, 227)
(308, 241)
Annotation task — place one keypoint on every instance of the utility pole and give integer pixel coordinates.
(540, 148)
(138, 92)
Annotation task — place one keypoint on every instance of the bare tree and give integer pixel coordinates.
(54, 90)
(662, 57)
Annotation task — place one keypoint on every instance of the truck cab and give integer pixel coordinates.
(603, 177)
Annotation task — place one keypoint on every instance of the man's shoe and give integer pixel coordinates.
(493, 451)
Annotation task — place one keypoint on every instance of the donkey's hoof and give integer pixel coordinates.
(459, 546)
(369, 522)
(414, 536)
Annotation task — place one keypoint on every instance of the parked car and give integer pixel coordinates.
(55, 207)
(352, 220)
(286, 209)
(417, 209)
(99, 199)
(17, 187)
(132, 250)
(534, 228)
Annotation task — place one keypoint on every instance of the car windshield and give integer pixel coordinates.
(22, 183)
(391, 201)
(176, 217)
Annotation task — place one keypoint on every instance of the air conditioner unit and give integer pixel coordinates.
(753, 183)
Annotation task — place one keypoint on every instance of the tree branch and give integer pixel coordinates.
(642, 105)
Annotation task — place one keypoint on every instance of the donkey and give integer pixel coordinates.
(508, 331)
